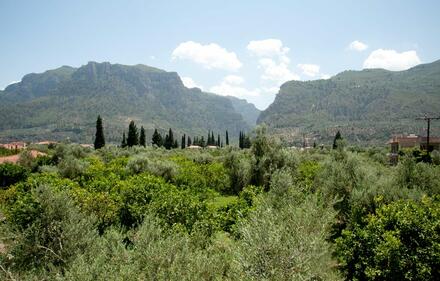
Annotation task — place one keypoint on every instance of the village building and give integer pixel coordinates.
(194, 147)
(14, 145)
(399, 142)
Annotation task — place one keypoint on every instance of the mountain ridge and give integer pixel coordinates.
(64, 102)
(367, 105)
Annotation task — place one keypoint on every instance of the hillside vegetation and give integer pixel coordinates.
(366, 106)
(63, 103)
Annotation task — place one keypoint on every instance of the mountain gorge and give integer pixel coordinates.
(64, 102)
(366, 106)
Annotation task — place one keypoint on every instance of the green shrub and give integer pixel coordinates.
(72, 168)
(400, 242)
(239, 170)
(57, 232)
(10, 174)
(286, 243)
(158, 167)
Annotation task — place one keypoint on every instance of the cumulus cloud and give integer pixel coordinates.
(357, 46)
(276, 71)
(273, 60)
(310, 70)
(210, 56)
(231, 85)
(189, 83)
(392, 60)
(267, 48)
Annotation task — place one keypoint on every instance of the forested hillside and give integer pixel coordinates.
(63, 103)
(367, 105)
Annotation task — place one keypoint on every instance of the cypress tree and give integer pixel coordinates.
(240, 140)
(142, 139)
(189, 141)
(246, 142)
(169, 140)
(212, 138)
(175, 144)
(218, 140)
(338, 137)
(202, 142)
(227, 138)
(124, 141)
(133, 135)
(182, 143)
(157, 139)
(99, 136)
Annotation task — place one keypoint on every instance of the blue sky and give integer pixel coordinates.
(242, 48)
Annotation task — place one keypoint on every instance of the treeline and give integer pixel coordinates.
(136, 137)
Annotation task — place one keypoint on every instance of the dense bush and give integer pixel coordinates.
(265, 213)
(285, 238)
(11, 173)
(53, 232)
(400, 242)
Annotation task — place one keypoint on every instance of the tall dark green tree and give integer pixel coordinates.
(142, 138)
(227, 138)
(189, 141)
(218, 140)
(182, 143)
(337, 139)
(133, 135)
(99, 136)
(157, 139)
(169, 140)
(240, 140)
(247, 142)
(124, 141)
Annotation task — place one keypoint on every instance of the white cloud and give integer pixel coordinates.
(210, 55)
(392, 60)
(234, 79)
(273, 61)
(311, 70)
(267, 48)
(231, 86)
(357, 46)
(278, 72)
(189, 83)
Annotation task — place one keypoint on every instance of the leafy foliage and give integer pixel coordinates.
(400, 242)
(264, 213)
(10, 174)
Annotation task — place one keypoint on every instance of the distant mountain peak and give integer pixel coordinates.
(65, 101)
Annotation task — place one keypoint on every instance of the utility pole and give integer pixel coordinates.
(428, 120)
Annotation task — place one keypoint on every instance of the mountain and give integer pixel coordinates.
(248, 110)
(64, 103)
(366, 106)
